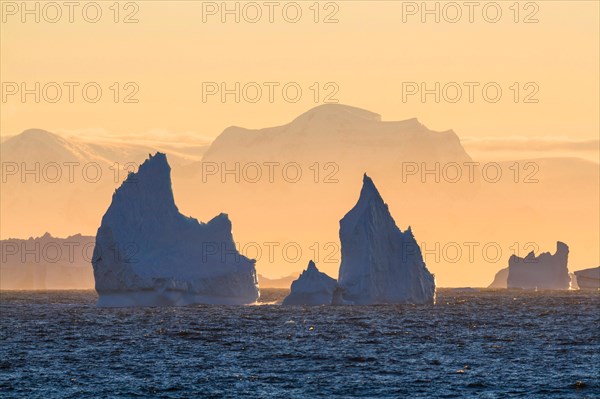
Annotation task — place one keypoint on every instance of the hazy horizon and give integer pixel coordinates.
(453, 253)
(309, 199)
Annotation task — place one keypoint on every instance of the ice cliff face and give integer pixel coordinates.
(380, 263)
(545, 271)
(588, 279)
(149, 254)
(311, 288)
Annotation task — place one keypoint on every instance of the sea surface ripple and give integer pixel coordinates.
(479, 344)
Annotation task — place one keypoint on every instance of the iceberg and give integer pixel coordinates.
(380, 263)
(149, 254)
(47, 263)
(500, 279)
(546, 271)
(588, 279)
(311, 288)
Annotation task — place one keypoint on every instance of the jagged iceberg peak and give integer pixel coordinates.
(145, 200)
(312, 268)
(311, 288)
(369, 192)
(545, 271)
(149, 254)
(369, 203)
(152, 181)
(380, 263)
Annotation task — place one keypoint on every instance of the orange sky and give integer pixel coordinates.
(368, 54)
(365, 59)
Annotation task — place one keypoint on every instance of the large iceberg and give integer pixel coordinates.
(380, 263)
(545, 271)
(588, 279)
(149, 254)
(311, 288)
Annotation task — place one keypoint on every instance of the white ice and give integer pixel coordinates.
(380, 263)
(311, 288)
(149, 254)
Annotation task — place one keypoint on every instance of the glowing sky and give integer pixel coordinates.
(367, 54)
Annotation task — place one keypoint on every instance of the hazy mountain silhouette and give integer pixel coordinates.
(338, 133)
(62, 184)
(551, 197)
(38, 145)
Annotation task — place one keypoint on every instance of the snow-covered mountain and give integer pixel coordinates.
(338, 133)
(51, 182)
(42, 146)
(380, 263)
(149, 254)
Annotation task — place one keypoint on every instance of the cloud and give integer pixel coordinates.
(515, 147)
(526, 144)
(150, 137)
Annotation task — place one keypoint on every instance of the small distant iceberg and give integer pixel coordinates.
(149, 254)
(588, 279)
(380, 263)
(500, 279)
(311, 288)
(546, 271)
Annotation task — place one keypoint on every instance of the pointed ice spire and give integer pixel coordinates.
(311, 267)
(148, 189)
(369, 190)
(369, 202)
(376, 267)
(155, 164)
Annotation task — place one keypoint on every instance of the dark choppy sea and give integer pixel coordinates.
(487, 344)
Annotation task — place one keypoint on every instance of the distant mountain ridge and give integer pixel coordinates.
(38, 145)
(47, 262)
(548, 197)
(341, 133)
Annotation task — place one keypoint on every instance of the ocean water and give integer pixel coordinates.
(473, 344)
